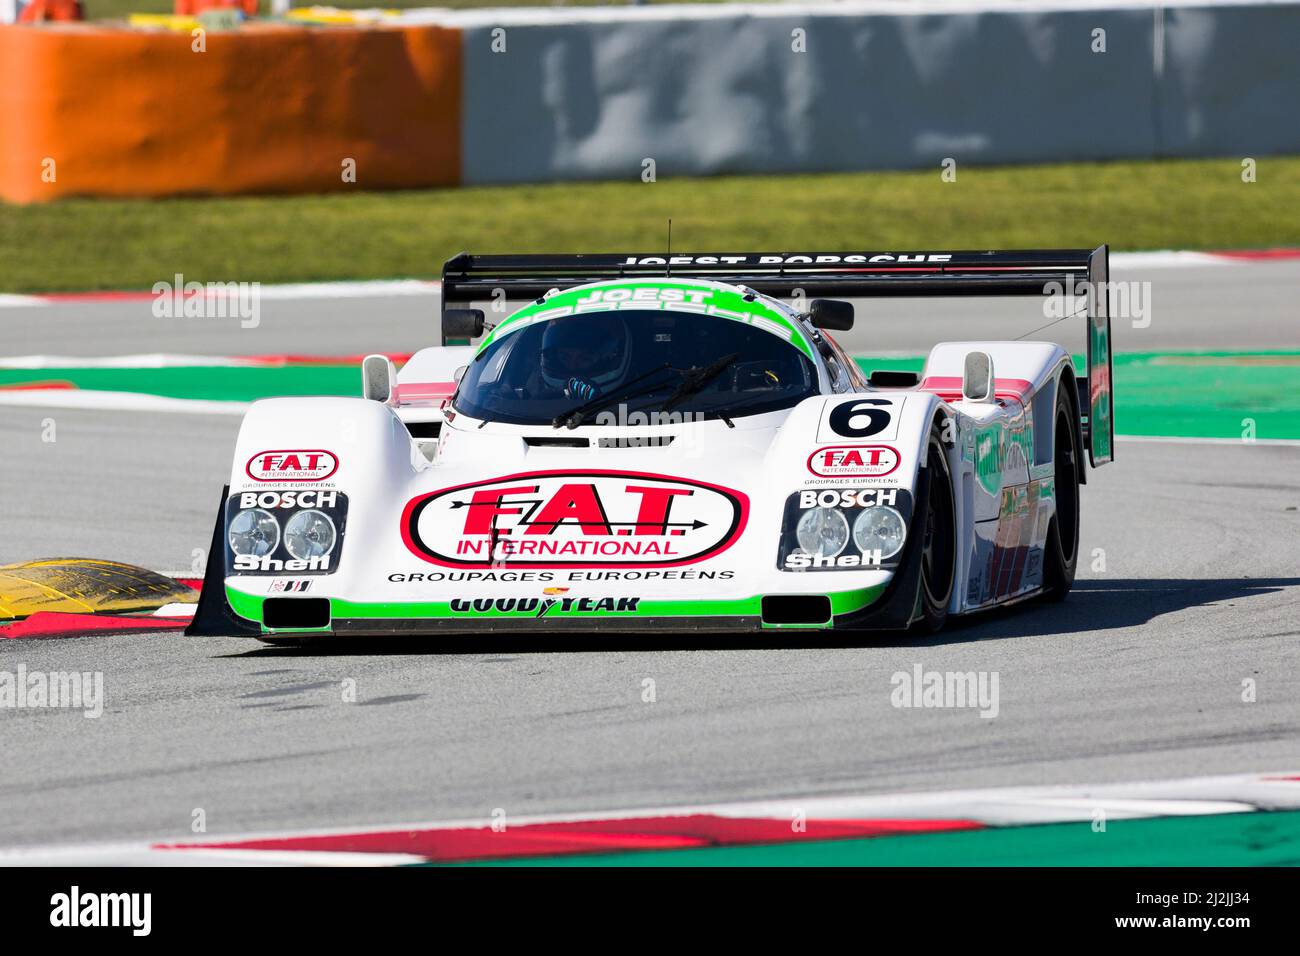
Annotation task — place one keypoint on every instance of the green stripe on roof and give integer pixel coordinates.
(724, 301)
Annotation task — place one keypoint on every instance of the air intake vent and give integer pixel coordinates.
(293, 614)
(797, 609)
(882, 378)
(555, 441)
(424, 430)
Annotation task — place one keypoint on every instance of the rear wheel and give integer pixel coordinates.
(939, 542)
(1062, 546)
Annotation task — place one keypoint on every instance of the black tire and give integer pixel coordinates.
(1062, 546)
(938, 553)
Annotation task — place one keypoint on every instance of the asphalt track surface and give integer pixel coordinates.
(1138, 675)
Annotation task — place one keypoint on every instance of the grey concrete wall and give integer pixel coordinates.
(720, 89)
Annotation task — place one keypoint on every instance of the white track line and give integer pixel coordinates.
(9, 301)
(291, 291)
(144, 360)
(1172, 259)
(117, 401)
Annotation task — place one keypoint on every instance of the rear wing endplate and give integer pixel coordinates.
(497, 280)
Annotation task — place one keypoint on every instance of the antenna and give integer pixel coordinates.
(668, 264)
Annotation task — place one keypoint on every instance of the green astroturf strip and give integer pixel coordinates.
(1184, 394)
(1192, 394)
(1230, 839)
(218, 383)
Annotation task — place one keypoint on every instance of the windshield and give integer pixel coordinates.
(637, 361)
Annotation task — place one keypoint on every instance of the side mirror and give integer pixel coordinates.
(832, 314)
(459, 373)
(977, 383)
(377, 378)
(461, 324)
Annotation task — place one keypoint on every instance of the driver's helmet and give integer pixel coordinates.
(593, 350)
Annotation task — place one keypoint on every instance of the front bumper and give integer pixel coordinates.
(539, 616)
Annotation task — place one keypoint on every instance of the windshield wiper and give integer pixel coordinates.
(696, 378)
(575, 416)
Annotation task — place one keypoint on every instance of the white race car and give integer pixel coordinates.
(670, 443)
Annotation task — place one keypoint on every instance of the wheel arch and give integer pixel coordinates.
(1068, 382)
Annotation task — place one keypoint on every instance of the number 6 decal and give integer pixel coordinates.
(860, 418)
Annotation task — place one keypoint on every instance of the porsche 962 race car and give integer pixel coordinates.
(670, 442)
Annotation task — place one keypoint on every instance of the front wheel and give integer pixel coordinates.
(939, 542)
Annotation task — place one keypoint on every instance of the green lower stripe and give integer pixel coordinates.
(1231, 839)
(843, 602)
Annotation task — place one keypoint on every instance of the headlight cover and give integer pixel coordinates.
(880, 528)
(309, 534)
(254, 532)
(816, 523)
(823, 531)
(289, 532)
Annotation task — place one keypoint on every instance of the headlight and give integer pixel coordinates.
(309, 534)
(254, 532)
(823, 531)
(879, 529)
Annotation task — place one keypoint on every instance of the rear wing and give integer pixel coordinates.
(498, 280)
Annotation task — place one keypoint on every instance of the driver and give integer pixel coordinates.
(584, 358)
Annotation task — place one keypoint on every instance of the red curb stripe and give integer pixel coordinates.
(583, 836)
(59, 624)
(57, 384)
(125, 295)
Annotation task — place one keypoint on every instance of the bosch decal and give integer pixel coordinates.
(585, 519)
(854, 461)
(284, 465)
(844, 529)
(274, 532)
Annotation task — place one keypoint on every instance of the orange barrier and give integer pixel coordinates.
(269, 109)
